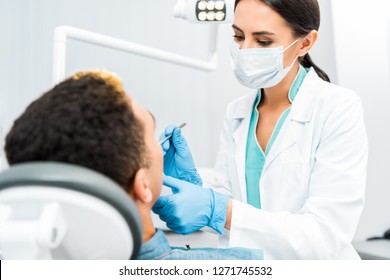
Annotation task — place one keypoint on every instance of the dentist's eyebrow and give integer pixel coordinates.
(264, 33)
(254, 33)
(237, 28)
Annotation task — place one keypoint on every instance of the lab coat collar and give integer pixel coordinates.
(240, 121)
(301, 112)
(302, 107)
(244, 109)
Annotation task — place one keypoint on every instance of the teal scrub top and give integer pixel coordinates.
(255, 156)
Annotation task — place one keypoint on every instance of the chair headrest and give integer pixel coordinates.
(79, 179)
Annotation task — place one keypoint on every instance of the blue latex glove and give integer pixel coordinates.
(191, 208)
(178, 160)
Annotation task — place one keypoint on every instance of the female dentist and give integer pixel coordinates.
(291, 168)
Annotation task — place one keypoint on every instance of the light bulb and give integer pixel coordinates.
(202, 16)
(202, 5)
(210, 5)
(211, 16)
(220, 16)
(219, 5)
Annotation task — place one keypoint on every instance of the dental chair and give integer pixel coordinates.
(54, 210)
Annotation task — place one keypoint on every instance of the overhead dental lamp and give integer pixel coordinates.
(205, 11)
(196, 11)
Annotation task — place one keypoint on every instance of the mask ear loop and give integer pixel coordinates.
(291, 44)
(287, 49)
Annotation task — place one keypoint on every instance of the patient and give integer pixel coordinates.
(89, 120)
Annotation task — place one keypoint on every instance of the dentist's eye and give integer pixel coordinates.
(265, 43)
(238, 37)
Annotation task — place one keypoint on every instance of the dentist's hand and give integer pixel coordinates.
(191, 208)
(178, 160)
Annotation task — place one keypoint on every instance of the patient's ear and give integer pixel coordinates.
(141, 187)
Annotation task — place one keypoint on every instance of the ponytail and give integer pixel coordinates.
(307, 62)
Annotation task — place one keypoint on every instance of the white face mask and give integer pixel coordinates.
(259, 67)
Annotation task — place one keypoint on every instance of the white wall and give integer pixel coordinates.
(362, 55)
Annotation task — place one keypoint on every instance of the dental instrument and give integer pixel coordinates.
(170, 135)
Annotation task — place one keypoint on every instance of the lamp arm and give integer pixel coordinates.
(62, 33)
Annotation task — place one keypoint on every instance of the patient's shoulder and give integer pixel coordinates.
(179, 253)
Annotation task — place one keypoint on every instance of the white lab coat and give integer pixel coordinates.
(313, 182)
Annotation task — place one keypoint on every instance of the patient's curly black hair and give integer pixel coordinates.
(85, 120)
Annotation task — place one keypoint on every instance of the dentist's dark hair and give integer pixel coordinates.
(302, 16)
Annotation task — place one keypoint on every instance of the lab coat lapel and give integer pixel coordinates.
(301, 112)
(241, 117)
(286, 138)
